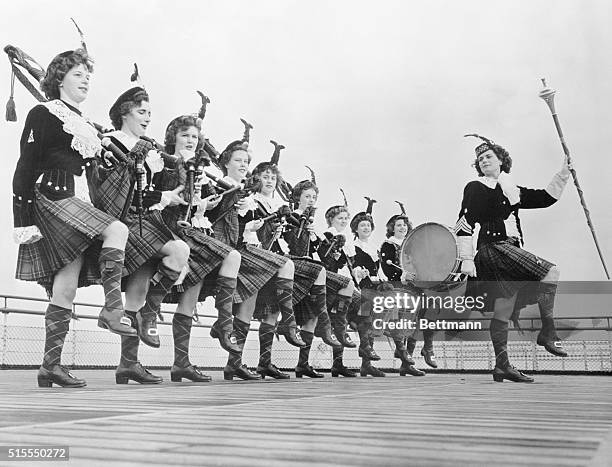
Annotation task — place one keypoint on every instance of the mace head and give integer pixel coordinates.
(548, 95)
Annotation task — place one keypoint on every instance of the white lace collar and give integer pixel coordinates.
(271, 204)
(84, 136)
(153, 159)
(128, 141)
(488, 181)
(368, 248)
(394, 241)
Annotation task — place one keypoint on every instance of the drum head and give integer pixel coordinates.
(430, 251)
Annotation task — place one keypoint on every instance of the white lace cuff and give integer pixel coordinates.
(250, 237)
(511, 191)
(557, 185)
(200, 222)
(465, 247)
(29, 234)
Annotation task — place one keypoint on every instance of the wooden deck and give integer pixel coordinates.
(441, 419)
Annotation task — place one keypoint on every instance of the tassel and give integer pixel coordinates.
(11, 113)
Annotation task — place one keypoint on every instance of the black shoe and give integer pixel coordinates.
(511, 374)
(429, 357)
(227, 338)
(307, 370)
(272, 372)
(346, 340)
(410, 370)
(372, 371)
(368, 353)
(291, 334)
(115, 321)
(404, 356)
(342, 371)
(58, 375)
(329, 339)
(137, 373)
(147, 329)
(190, 372)
(553, 347)
(241, 372)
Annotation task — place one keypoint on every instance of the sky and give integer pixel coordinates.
(374, 96)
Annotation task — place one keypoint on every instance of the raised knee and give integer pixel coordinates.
(322, 277)
(234, 258)
(117, 230)
(289, 267)
(554, 273)
(180, 250)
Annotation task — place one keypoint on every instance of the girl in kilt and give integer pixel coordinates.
(233, 224)
(338, 289)
(65, 242)
(337, 218)
(211, 262)
(309, 280)
(365, 269)
(398, 226)
(510, 276)
(155, 259)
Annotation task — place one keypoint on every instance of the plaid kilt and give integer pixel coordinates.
(388, 315)
(503, 269)
(306, 272)
(258, 266)
(334, 283)
(205, 258)
(70, 228)
(110, 188)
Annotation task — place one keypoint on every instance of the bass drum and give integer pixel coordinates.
(430, 251)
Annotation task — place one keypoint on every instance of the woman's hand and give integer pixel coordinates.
(212, 201)
(172, 198)
(468, 267)
(254, 226)
(407, 276)
(241, 204)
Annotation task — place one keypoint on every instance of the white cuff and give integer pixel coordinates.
(29, 234)
(511, 191)
(250, 237)
(465, 247)
(557, 185)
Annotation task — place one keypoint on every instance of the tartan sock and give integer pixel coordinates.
(129, 345)
(337, 354)
(499, 337)
(111, 267)
(161, 283)
(546, 304)
(284, 298)
(181, 332)
(266, 338)
(57, 322)
(224, 301)
(428, 335)
(241, 330)
(410, 345)
(318, 300)
(364, 329)
(307, 337)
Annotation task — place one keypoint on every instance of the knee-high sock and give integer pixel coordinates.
(338, 319)
(161, 283)
(307, 337)
(129, 345)
(410, 345)
(284, 297)
(181, 332)
(57, 322)
(241, 330)
(364, 329)
(111, 267)
(499, 337)
(266, 338)
(224, 301)
(337, 354)
(546, 304)
(428, 335)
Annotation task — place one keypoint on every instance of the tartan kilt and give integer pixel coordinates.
(306, 272)
(389, 315)
(257, 267)
(111, 188)
(333, 284)
(70, 228)
(155, 234)
(205, 257)
(503, 269)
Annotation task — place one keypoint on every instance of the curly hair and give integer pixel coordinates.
(126, 107)
(332, 212)
(502, 155)
(358, 219)
(263, 167)
(226, 155)
(59, 66)
(182, 123)
(391, 224)
(300, 188)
